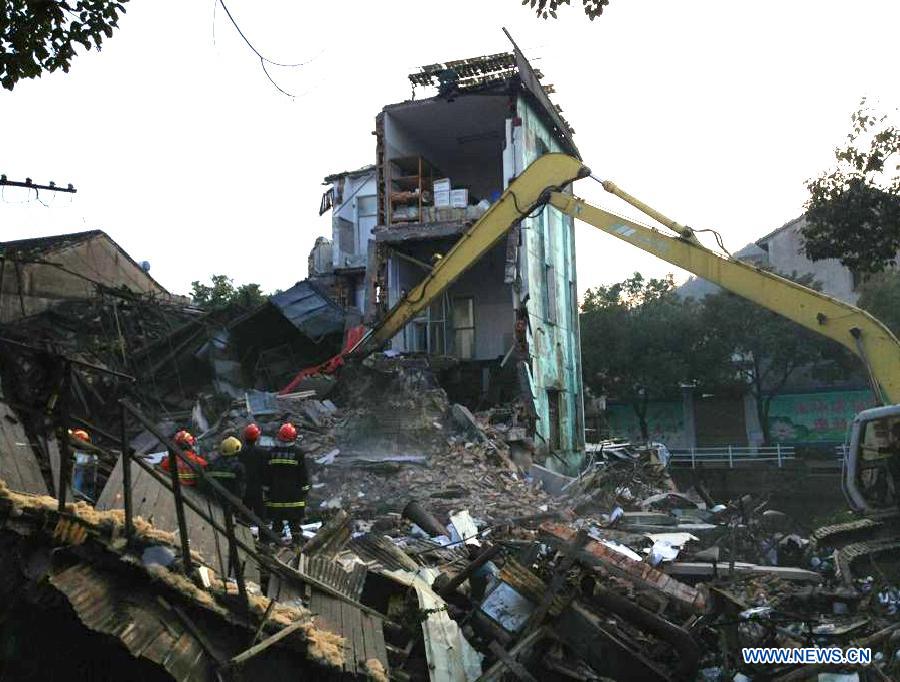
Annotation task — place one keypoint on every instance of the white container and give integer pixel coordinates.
(442, 185)
(442, 199)
(459, 198)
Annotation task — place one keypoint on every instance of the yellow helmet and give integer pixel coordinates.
(230, 446)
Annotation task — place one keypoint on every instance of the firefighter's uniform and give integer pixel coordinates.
(288, 483)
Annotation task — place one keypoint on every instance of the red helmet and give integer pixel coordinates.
(80, 434)
(185, 439)
(252, 433)
(287, 432)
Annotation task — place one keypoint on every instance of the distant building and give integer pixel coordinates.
(782, 251)
(35, 273)
(440, 162)
(353, 203)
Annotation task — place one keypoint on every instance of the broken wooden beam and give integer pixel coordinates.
(641, 574)
(331, 536)
(514, 666)
(569, 556)
(457, 580)
(495, 672)
(257, 649)
(607, 652)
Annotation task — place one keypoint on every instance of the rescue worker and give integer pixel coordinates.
(227, 469)
(254, 459)
(186, 475)
(84, 474)
(288, 482)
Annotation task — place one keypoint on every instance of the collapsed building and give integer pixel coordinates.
(434, 548)
(439, 164)
(36, 273)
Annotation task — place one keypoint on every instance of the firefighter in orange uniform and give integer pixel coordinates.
(186, 475)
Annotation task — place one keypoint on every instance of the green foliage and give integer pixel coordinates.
(640, 342)
(853, 211)
(547, 8)
(880, 296)
(767, 349)
(221, 293)
(41, 35)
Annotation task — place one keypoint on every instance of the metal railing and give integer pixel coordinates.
(729, 456)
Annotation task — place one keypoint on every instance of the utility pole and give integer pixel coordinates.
(28, 184)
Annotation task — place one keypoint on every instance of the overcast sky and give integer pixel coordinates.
(713, 112)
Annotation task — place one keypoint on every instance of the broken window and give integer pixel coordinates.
(437, 321)
(366, 218)
(346, 237)
(550, 288)
(553, 397)
(464, 327)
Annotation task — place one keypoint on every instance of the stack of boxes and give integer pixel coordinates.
(449, 204)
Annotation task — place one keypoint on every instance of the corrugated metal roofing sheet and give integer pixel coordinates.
(106, 603)
(309, 310)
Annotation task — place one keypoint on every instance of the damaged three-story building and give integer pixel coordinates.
(511, 320)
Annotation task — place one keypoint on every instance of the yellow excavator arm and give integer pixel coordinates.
(544, 182)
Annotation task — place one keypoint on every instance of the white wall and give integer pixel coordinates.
(786, 256)
(353, 255)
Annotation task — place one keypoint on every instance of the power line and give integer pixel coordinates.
(263, 60)
(28, 184)
(250, 45)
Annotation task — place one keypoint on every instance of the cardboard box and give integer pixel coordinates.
(459, 198)
(442, 199)
(442, 185)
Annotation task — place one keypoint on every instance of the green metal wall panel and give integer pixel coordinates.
(549, 278)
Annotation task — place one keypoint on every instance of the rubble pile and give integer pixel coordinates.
(475, 560)
(620, 576)
(662, 595)
(394, 433)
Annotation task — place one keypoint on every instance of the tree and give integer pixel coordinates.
(880, 296)
(41, 35)
(853, 211)
(767, 349)
(641, 342)
(221, 293)
(547, 8)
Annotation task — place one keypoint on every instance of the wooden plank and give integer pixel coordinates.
(369, 648)
(19, 466)
(380, 645)
(157, 649)
(181, 657)
(359, 641)
(348, 632)
(245, 656)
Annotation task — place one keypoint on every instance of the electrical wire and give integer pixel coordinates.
(718, 241)
(250, 45)
(263, 60)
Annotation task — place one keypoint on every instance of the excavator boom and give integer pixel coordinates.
(544, 181)
(855, 329)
